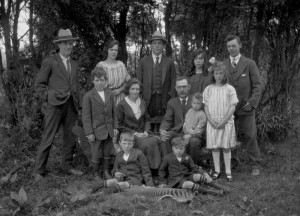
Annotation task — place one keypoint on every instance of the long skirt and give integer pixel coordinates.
(150, 146)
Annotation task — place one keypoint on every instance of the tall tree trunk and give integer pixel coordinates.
(167, 19)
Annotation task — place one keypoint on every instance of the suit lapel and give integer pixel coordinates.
(188, 104)
(97, 96)
(62, 67)
(240, 66)
(164, 69)
(178, 104)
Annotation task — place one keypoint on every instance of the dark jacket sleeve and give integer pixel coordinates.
(145, 170)
(173, 81)
(255, 85)
(121, 117)
(115, 114)
(140, 71)
(87, 114)
(41, 80)
(116, 165)
(147, 122)
(163, 171)
(168, 119)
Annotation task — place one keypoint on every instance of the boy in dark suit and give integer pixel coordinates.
(130, 168)
(178, 169)
(99, 121)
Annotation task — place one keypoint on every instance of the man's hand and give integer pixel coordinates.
(146, 134)
(118, 174)
(207, 177)
(164, 135)
(248, 107)
(162, 185)
(139, 135)
(90, 137)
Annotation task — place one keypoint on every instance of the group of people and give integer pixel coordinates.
(202, 109)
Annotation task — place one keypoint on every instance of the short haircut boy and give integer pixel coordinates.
(178, 142)
(125, 133)
(198, 96)
(98, 72)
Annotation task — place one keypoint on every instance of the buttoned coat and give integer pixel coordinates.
(144, 74)
(55, 85)
(99, 117)
(246, 81)
(128, 121)
(136, 168)
(172, 170)
(174, 117)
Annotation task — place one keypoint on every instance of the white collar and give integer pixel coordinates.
(186, 99)
(154, 57)
(237, 58)
(64, 58)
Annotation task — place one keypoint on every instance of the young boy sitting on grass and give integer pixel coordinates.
(130, 168)
(179, 171)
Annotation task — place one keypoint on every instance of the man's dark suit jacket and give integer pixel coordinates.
(174, 117)
(171, 171)
(55, 85)
(136, 168)
(98, 117)
(144, 74)
(246, 82)
(128, 121)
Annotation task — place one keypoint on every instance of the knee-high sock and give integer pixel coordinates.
(227, 160)
(216, 157)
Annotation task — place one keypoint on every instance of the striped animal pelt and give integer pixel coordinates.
(180, 195)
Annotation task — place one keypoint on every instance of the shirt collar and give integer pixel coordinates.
(237, 58)
(154, 57)
(64, 58)
(186, 99)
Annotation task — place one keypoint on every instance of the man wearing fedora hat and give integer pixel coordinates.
(157, 73)
(57, 84)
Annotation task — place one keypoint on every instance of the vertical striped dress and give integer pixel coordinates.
(117, 75)
(218, 99)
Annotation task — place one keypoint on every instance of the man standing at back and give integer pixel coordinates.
(57, 84)
(157, 74)
(243, 74)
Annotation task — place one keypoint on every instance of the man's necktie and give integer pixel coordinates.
(183, 102)
(233, 63)
(157, 61)
(68, 66)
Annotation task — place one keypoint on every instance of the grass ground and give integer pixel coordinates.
(275, 192)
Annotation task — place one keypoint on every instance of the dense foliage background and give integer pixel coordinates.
(269, 31)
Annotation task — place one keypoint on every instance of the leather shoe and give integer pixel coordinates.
(38, 177)
(106, 175)
(75, 172)
(255, 172)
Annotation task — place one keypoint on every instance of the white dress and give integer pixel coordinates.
(218, 99)
(117, 75)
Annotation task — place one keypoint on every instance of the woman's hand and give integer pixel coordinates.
(139, 135)
(221, 125)
(90, 137)
(162, 185)
(146, 134)
(116, 91)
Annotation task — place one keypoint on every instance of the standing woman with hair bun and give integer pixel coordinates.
(116, 71)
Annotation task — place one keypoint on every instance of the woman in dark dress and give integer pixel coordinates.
(133, 115)
(198, 75)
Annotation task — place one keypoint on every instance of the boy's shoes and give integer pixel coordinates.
(106, 175)
(255, 172)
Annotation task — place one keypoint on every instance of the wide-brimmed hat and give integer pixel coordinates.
(64, 35)
(158, 36)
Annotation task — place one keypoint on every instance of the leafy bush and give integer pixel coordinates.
(274, 126)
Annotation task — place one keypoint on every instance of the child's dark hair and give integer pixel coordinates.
(219, 66)
(125, 133)
(98, 72)
(178, 142)
(198, 96)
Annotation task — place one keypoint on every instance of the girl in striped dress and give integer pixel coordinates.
(116, 71)
(220, 100)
